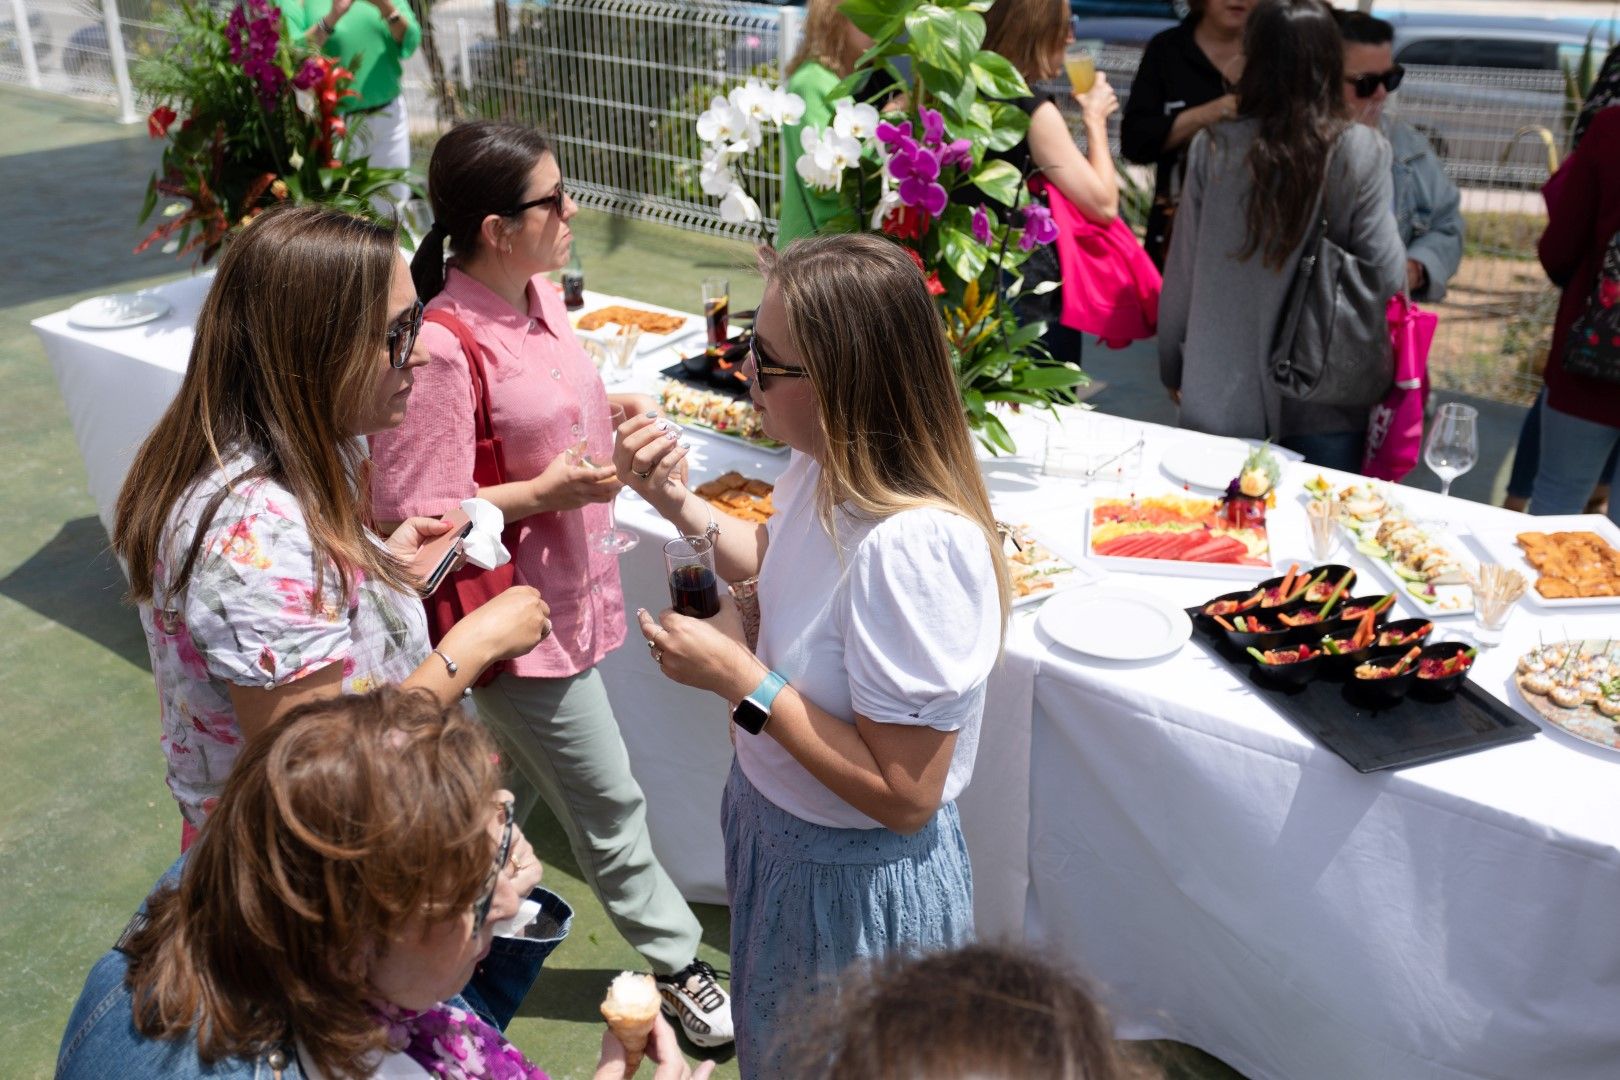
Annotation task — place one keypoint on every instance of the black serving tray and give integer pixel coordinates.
(715, 380)
(1377, 737)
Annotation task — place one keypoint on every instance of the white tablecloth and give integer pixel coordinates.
(1228, 881)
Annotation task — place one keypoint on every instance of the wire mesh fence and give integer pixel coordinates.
(618, 86)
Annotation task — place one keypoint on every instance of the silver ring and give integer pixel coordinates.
(643, 475)
(545, 630)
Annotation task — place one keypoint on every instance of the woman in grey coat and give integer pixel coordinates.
(1244, 220)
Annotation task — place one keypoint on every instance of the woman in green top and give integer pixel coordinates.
(372, 38)
(827, 52)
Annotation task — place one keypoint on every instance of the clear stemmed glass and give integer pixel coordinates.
(1453, 444)
(614, 540)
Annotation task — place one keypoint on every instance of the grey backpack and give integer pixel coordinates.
(1332, 343)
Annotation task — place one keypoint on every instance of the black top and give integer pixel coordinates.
(1018, 154)
(1174, 75)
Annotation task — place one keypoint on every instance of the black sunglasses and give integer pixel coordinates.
(503, 851)
(1367, 85)
(402, 336)
(554, 201)
(764, 366)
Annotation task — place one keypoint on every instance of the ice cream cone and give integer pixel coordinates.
(630, 1009)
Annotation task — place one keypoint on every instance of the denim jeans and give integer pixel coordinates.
(1574, 453)
(1527, 458)
(1342, 450)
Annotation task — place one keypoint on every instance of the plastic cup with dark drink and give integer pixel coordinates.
(694, 587)
(716, 312)
(573, 289)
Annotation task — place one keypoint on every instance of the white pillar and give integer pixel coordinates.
(120, 62)
(25, 43)
(462, 57)
(790, 27)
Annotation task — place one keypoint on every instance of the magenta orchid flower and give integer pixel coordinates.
(924, 194)
(981, 225)
(958, 153)
(1039, 228)
(933, 126)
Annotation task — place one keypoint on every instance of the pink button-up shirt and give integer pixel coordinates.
(545, 396)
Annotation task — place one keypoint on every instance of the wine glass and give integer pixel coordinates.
(1453, 444)
(614, 540)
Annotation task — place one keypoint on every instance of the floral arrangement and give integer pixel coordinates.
(260, 126)
(918, 168)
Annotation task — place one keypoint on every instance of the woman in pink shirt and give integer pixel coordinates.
(498, 198)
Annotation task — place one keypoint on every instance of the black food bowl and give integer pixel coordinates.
(1297, 673)
(1385, 691)
(1441, 688)
(1405, 626)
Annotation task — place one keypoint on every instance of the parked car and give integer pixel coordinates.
(1483, 88)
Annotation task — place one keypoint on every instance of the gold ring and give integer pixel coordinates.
(644, 475)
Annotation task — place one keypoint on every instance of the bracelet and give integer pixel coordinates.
(325, 25)
(449, 664)
(394, 16)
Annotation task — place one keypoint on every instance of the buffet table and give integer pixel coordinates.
(1226, 880)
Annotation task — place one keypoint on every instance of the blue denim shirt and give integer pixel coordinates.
(101, 1040)
(1428, 208)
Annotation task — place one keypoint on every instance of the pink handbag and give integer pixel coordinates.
(1395, 428)
(1110, 286)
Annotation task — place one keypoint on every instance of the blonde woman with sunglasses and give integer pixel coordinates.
(883, 598)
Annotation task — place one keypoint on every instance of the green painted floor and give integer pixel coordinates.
(86, 823)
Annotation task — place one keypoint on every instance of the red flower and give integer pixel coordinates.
(931, 278)
(906, 223)
(157, 124)
(1609, 292)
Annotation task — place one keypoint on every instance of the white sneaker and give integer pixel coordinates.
(694, 996)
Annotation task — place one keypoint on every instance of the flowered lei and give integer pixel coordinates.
(454, 1043)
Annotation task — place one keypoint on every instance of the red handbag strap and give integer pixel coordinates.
(474, 352)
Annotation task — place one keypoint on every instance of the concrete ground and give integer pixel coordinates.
(86, 824)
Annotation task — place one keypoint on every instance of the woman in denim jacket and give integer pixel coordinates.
(349, 883)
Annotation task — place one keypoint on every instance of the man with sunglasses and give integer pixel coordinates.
(1427, 206)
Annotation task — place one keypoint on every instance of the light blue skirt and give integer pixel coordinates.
(807, 900)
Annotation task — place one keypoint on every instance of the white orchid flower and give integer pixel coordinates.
(787, 108)
(295, 160)
(715, 177)
(753, 99)
(837, 152)
(811, 166)
(306, 102)
(854, 121)
(737, 208)
(887, 203)
(722, 122)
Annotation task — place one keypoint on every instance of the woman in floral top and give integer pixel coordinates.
(243, 519)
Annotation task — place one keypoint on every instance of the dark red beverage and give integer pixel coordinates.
(695, 591)
(573, 289)
(715, 314)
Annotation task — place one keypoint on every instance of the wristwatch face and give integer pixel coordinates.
(749, 716)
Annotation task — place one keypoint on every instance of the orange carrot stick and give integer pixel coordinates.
(1224, 623)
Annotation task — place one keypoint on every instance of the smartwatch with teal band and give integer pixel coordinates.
(752, 711)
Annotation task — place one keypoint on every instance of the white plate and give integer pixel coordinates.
(1210, 463)
(117, 311)
(1115, 623)
(1176, 567)
(1501, 546)
(649, 343)
(1449, 600)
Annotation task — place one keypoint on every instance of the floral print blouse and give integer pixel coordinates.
(249, 616)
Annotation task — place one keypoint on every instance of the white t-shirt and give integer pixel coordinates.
(901, 626)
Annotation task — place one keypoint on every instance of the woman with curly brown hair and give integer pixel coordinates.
(348, 885)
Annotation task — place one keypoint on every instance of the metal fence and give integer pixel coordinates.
(619, 84)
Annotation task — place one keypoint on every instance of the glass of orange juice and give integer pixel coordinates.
(1080, 61)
